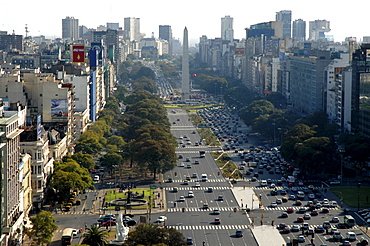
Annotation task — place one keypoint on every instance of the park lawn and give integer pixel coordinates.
(350, 195)
(113, 195)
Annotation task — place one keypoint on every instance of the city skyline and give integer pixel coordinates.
(200, 18)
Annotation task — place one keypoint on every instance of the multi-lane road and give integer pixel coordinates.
(194, 221)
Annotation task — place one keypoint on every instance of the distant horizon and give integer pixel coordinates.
(200, 17)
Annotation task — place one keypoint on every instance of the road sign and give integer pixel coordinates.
(153, 187)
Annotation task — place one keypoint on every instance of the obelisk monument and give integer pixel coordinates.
(185, 85)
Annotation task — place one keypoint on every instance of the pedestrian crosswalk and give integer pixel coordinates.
(190, 187)
(198, 180)
(209, 227)
(192, 209)
(296, 208)
(74, 212)
(281, 188)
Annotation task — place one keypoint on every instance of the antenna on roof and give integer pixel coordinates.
(26, 28)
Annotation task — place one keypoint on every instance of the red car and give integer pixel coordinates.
(109, 223)
(300, 219)
(290, 210)
(217, 221)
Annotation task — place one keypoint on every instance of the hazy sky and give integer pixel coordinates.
(201, 17)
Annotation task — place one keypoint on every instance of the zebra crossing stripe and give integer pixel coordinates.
(210, 227)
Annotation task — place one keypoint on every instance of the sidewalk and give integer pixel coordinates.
(245, 197)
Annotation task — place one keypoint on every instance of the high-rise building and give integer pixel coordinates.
(317, 29)
(11, 42)
(227, 31)
(70, 28)
(165, 32)
(113, 26)
(360, 90)
(299, 30)
(132, 28)
(285, 16)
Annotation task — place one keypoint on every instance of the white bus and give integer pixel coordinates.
(67, 236)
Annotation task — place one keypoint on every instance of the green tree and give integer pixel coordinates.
(256, 109)
(154, 235)
(43, 227)
(85, 160)
(116, 140)
(95, 236)
(110, 159)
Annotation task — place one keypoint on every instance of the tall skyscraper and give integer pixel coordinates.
(185, 85)
(317, 29)
(285, 16)
(360, 122)
(299, 30)
(70, 28)
(132, 28)
(227, 31)
(165, 33)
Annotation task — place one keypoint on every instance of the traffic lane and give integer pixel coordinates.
(200, 197)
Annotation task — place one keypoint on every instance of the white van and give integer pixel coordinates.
(263, 183)
(351, 236)
(204, 177)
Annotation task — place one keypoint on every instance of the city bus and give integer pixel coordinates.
(67, 236)
(349, 221)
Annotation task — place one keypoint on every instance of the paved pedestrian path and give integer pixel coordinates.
(246, 197)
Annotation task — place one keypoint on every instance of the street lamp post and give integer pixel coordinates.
(341, 151)
(358, 196)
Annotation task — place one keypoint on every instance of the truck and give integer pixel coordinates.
(202, 153)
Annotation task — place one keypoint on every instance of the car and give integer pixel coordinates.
(364, 242)
(286, 230)
(301, 239)
(197, 185)
(238, 233)
(325, 210)
(333, 204)
(295, 228)
(189, 241)
(188, 166)
(314, 213)
(170, 180)
(284, 199)
(220, 198)
(190, 194)
(298, 203)
(161, 219)
(294, 189)
(310, 232)
(210, 189)
(346, 243)
(341, 225)
(311, 187)
(302, 210)
(290, 210)
(181, 156)
(282, 226)
(186, 182)
(284, 215)
(311, 196)
(272, 185)
(217, 221)
(319, 229)
(337, 237)
(216, 211)
(96, 178)
(306, 216)
(205, 205)
(300, 219)
(273, 204)
(194, 176)
(351, 236)
(109, 223)
(182, 164)
(279, 201)
(305, 226)
(291, 197)
(326, 224)
(335, 220)
(182, 199)
(282, 192)
(175, 189)
(273, 193)
(187, 159)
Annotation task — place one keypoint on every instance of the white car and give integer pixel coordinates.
(161, 219)
(182, 199)
(273, 204)
(191, 194)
